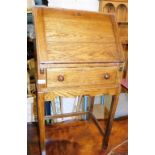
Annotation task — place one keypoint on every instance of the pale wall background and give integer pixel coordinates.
(91, 5)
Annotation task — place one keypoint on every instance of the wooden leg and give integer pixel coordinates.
(54, 109)
(41, 114)
(79, 105)
(110, 120)
(61, 105)
(91, 106)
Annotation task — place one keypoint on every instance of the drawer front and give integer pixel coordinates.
(61, 77)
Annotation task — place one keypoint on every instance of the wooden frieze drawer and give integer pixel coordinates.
(61, 77)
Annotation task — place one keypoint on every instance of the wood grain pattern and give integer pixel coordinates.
(41, 114)
(66, 115)
(110, 6)
(49, 64)
(110, 119)
(40, 34)
(88, 76)
(123, 32)
(119, 8)
(94, 90)
(71, 36)
(122, 13)
(72, 30)
(79, 53)
(116, 33)
(82, 52)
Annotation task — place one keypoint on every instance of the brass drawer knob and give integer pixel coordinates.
(60, 78)
(106, 76)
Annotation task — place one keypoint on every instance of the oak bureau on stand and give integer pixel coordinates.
(78, 53)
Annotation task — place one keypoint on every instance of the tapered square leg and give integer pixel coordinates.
(110, 120)
(40, 100)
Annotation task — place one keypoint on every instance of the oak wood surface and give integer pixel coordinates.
(40, 33)
(110, 120)
(71, 36)
(48, 64)
(78, 53)
(66, 115)
(88, 76)
(41, 114)
(81, 90)
(119, 8)
(123, 32)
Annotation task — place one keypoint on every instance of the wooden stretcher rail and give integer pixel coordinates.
(66, 115)
(77, 114)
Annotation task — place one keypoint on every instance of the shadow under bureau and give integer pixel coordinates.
(78, 53)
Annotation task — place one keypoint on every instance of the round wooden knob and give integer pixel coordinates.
(60, 78)
(106, 76)
(121, 68)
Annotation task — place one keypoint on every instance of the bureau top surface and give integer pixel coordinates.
(73, 36)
